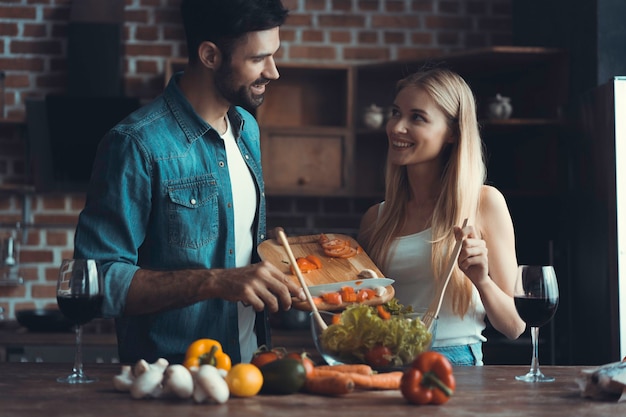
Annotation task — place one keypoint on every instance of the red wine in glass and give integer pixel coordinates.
(79, 296)
(536, 311)
(80, 310)
(536, 300)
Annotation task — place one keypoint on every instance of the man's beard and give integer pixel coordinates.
(237, 95)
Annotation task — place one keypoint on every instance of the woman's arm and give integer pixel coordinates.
(490, 261)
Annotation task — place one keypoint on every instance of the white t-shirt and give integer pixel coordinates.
(244, 206)
(410, 266)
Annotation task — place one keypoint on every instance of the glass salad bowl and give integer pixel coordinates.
(360, 335)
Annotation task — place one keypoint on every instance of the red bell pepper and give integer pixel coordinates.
(429, 380)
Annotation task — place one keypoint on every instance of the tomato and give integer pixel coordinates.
(378, 356)
(338, 248)
(309, 365)
(263, 356)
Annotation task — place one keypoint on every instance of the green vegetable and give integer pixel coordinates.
(283, 376)
(360, 329)
(395, 308)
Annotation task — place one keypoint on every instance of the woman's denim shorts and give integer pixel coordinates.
(463, 355)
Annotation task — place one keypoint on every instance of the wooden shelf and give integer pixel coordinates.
(13, 121)
(522, 122)
(17, 188)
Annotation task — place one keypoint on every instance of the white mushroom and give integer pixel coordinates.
(367, 273)
(380, 291)
(124, 380)
(148, 378)
(178, 381)
(209, 385)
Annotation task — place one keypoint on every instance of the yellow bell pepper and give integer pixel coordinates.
(207, 352)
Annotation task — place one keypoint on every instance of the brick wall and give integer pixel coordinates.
(33, 53)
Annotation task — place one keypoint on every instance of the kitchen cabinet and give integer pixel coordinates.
(314, 140)
(306, 131)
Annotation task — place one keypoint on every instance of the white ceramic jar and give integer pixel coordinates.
(499, 107)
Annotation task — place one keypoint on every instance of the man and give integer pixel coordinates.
(176, 203)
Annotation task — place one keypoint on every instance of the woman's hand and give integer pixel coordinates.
(473, 260)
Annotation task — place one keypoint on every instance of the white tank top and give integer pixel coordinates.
(410, 266)
(244, 205)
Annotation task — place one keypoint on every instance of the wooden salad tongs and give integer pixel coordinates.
(435, 306)
(282, 237)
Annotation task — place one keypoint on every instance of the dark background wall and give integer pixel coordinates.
(594, 34)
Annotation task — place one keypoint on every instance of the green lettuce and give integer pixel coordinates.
(360, 329)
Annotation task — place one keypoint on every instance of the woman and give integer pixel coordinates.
(435, 179)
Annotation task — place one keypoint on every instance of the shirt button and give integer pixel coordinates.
(262, 237)
(193, 201)
(221, 164)
(230, 205)
(247, 157)
(230, 251)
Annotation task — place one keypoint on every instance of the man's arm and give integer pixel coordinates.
(259, 285)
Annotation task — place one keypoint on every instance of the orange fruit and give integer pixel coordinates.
(244, 380)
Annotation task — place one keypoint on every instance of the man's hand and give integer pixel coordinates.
(260, 285)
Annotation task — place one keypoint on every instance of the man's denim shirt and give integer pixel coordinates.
(160, 198)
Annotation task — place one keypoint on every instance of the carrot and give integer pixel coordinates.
(315, 260)
(382, 381)
(348, 295)
(305, 266)
(333, 385)
(383, 313)
(333, 298)
(365, 294)
(336, 319)
(356, 368)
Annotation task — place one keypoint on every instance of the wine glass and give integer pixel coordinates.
(536, 299)
(79, 296)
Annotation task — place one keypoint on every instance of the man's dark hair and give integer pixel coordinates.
(223, 22)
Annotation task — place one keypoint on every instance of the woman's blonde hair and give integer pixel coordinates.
(462, 177)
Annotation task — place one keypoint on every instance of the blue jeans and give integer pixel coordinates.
(463, 355)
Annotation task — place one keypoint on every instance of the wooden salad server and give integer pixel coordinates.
(435, 306)
(282, 237)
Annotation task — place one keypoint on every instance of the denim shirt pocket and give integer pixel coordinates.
(193, 211)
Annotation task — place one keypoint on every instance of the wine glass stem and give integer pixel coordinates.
(78, 357)
(534, 365)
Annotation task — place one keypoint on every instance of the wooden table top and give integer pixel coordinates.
(31, 390)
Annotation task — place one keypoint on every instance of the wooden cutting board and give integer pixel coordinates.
(333, 269)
